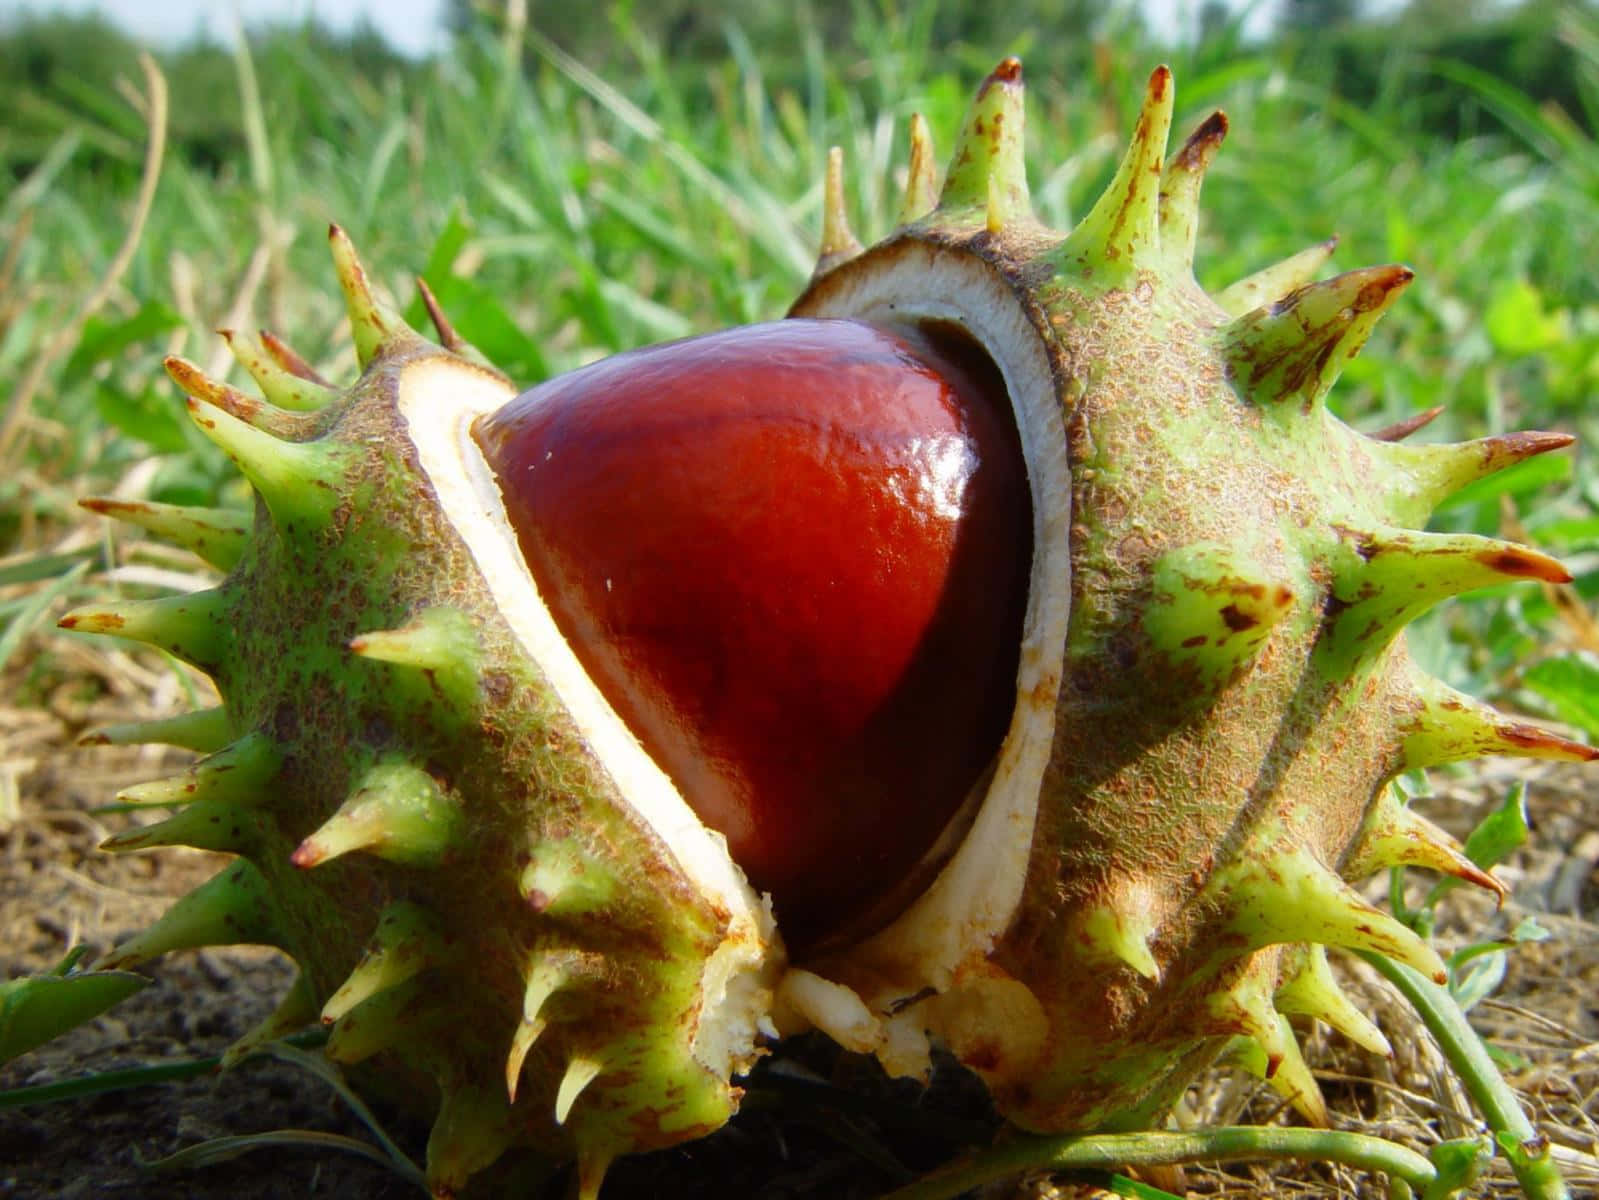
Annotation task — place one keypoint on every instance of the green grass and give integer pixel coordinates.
(563, 215)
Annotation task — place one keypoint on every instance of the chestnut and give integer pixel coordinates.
(794, 558)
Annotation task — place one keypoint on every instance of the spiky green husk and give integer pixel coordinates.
(1233, 691)
(472, 905)
(1212, 697)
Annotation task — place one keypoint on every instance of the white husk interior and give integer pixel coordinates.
(439, 399)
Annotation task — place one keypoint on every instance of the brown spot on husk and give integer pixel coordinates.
(1525, 564)
(1237, 620)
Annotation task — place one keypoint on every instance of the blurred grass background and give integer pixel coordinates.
(577, 181)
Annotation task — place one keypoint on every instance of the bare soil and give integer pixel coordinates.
(816, 1122)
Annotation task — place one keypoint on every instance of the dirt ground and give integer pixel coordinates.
(816, 1123)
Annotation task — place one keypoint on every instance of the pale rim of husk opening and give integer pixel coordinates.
(972, 900)
(439, 398)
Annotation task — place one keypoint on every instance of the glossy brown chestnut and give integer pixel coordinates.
(794, 558)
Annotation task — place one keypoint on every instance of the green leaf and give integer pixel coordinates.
(104, 339)
(40, 1007)
(1496, 835)
(440, 265)
(1518, 323)
(1567, 533)
(1480, 978)
(1501, 831)
(1459, 1163)
(1120, 1185)
(199, 480)
(479, 317)
(448, 245)
(1571, 686)
(1508, 1060)
(1467, 954)
(1528, 930)
(148, 415)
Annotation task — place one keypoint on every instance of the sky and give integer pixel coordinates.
(411, 26)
